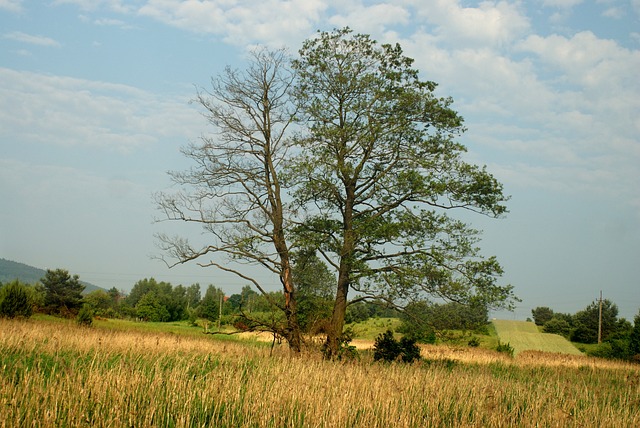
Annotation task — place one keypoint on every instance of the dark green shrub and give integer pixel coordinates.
(387, 348)
(409, 351)
(15, 300)
(474, 342)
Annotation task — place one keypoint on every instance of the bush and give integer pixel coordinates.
(15, 300)
(388, 349)
(85, 316)
(505, 348)
(474, 342)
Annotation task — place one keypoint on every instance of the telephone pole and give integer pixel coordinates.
(600, 319)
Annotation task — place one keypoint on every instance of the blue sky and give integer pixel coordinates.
(94, 107)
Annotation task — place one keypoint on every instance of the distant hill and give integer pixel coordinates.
(523, 336)
(10, 270)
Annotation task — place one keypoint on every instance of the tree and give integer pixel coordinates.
(557, 325)
(151, 308)
(15, 300)
(378, 172)
(541, 315)
(63, 292)
(586, 322)
(234, 190)
(634, 340)
(209, 307)
(314, 284)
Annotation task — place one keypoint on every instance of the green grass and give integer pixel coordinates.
(524, 336)
(371, 328)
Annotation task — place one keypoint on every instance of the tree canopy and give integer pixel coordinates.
(63, 292)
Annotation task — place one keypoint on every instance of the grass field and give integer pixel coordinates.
(525, 336)
(55, 374)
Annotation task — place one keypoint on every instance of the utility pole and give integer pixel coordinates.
(220, 309)
(600, 319)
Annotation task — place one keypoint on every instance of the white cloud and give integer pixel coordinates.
(562, 4)
(491, 24)
(240, 22)
(11, 5)
(31, 39)
(119, 6)
(53, 110)
(370, 19)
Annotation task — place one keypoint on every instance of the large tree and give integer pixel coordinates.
(379, 171)
(234, 190)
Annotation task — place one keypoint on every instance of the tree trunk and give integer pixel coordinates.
(292, 330)
(332, 345)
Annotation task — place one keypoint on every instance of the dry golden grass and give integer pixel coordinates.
(54, 374)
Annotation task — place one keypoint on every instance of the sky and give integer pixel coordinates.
(95, 106)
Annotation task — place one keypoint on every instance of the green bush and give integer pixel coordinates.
(474, 342)
(15, 300)
(505, 348)
(387, 348)
(85, 316)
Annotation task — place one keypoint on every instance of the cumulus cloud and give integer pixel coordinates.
(491, 24)
(240, 22)
(370, 19)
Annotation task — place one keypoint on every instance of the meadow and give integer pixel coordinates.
(55, 374)
(523, 335)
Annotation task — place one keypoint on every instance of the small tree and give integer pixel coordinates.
(63, 292)
(388, 349)
(541, 314)
(15, 300)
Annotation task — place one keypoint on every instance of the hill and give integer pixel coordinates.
(10, 270)
(525, 336)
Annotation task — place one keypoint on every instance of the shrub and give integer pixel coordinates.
(387, 348)
(85, 316)
(474, 342)
(15, 300)
(505, 348)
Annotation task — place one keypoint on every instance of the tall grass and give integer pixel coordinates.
(54, 375)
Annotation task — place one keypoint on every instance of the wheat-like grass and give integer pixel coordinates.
(56, 374)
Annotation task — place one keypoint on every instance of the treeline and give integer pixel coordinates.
(619, 338)
(59, 293)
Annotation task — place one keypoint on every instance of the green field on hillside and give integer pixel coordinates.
(524, 336)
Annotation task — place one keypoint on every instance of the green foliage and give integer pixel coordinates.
(421, 319)
(541, 315)
(314, 285)
(586, 322)
(209, 307)
(634, 338)
(557, 326)
(63, 292)
(380, 170)
(15, 300)
(85, 316)
(505, 348)
(474, 342)
(150, 308)
(387, 348)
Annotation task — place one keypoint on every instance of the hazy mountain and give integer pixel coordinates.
(10, 270)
